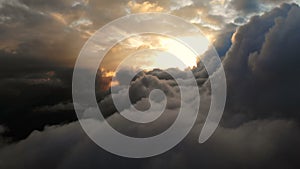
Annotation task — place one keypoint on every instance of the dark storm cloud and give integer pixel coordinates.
(35, 72)
(27, 83)
(262, 66)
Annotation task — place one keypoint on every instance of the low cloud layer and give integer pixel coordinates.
(257, 144)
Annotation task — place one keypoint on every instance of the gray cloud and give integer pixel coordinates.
(142, 85)
(258, 144)
(239, 20)
(246, 5)
(275, 1)
(262, 66)
(36, 59)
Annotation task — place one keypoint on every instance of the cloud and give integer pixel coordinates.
(239, 20)
(260, 127)
(275, 1)
(261, 66)
(30, 84)
(142, 85)
(146, 6)
(245, 5)
(258, 144)
(55, 108)
(222, 41)
(36, 64)
(2, 130)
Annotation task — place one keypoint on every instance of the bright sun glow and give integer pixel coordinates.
(148, 52)
(181, 51)
(164, 53)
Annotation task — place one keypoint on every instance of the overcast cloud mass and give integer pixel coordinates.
(258, 42)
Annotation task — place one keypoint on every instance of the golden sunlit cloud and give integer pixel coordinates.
(106, 73)
(218, 2)
(233, 37)
(146, 6)
(59, 17)
(106, 79)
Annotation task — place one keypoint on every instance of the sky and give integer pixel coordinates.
(257, 41)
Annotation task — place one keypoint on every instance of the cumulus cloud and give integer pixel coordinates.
(142, 85)
(262, 66)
